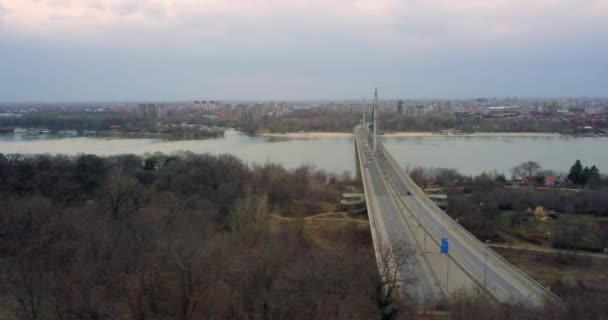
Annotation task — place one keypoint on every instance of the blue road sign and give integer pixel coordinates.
(444, 246)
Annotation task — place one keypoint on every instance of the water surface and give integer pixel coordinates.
(469, 155)
(472, 155)
(332, 154)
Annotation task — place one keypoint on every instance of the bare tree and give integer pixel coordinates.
(122, 194)
(526, 169)
(389, 291)
(247, 212)
(29, 292)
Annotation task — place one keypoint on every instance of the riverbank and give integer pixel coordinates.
(304, 135)
(176, 136)
(475, 134)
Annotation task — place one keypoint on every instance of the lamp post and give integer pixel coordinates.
(375, 120)
(485, 266)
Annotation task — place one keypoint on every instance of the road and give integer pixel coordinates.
(435, 226)
(502, 280)
(393, 228)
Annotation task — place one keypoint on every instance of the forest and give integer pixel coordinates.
(174, 237)
(188, 236)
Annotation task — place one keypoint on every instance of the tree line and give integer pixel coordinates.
(587, 176)
(76, 121)
(127, 124)
(344, 121)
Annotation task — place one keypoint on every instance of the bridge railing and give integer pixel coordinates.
(542, 293)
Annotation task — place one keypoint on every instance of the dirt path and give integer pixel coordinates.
(319, 217)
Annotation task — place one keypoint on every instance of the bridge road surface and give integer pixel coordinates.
(416, 273)
(502, 280)
(472, 262)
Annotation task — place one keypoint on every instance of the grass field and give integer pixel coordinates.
(564, 274)
(521, 230)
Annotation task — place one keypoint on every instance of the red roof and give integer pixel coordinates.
(550, 179)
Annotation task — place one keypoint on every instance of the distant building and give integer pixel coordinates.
(410, 110)
(206, 105)
(420, 111)
(400, 107)
(551, 181)
(151, 110)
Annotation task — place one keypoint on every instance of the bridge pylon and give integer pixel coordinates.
(375, 137)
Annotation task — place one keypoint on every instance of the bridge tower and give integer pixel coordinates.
(375, 137)
(364, 120)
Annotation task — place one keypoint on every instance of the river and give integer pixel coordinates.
(469, 155)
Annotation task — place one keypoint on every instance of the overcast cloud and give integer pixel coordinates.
(74, 50)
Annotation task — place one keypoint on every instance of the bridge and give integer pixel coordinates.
(444, 258)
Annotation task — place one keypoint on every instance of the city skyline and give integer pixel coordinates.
(101, 50)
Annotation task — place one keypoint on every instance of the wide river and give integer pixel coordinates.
(469, 155)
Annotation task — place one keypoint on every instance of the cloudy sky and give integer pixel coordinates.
(85, 50)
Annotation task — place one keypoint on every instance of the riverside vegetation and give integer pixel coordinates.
(343, 121)
(125, 124)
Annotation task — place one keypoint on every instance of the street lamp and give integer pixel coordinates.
(485, 265)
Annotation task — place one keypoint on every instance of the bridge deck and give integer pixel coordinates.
(391, 231)
(397, 199)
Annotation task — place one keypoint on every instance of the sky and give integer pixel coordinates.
(163, 50)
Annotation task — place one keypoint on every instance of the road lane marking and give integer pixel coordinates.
(504, 293)
(471, 261)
